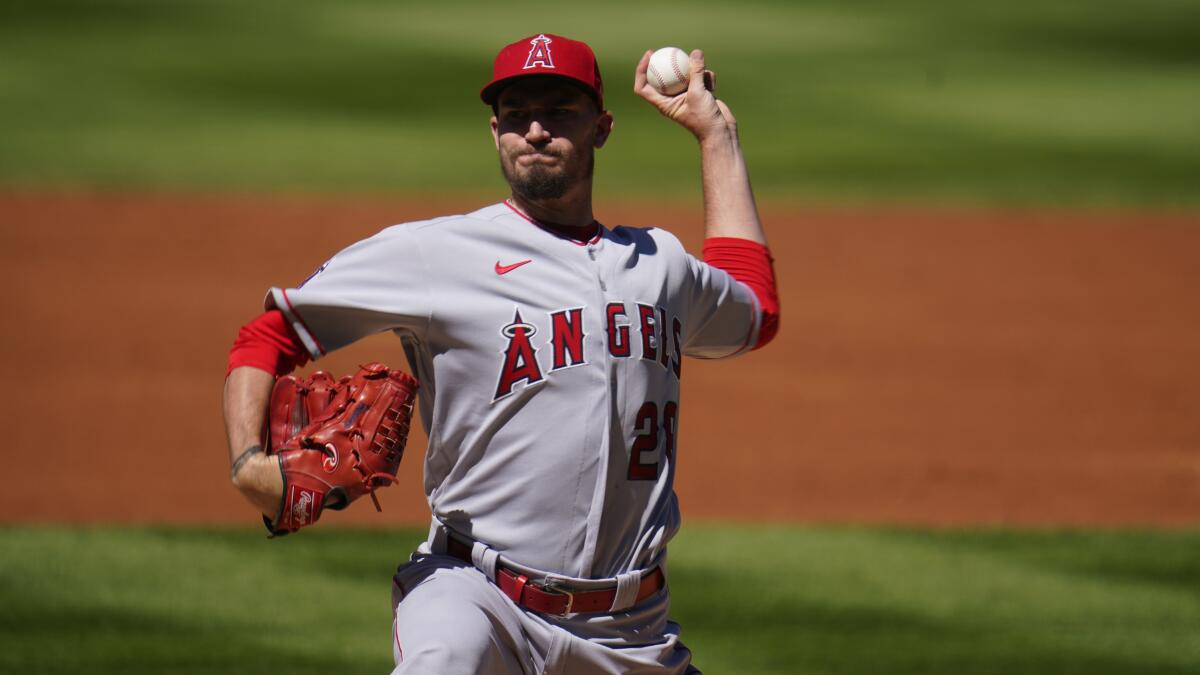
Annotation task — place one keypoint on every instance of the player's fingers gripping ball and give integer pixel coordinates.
(337, 440)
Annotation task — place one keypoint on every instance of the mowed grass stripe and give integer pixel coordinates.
(751, 599)
(1083, 102)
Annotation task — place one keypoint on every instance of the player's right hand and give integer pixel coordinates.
(697, 109)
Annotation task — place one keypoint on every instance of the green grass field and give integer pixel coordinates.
(1082, 102)
(751, 599)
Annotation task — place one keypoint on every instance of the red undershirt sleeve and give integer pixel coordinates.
(750, 263)
(268, 343)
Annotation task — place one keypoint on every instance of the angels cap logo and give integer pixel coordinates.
(539, 55)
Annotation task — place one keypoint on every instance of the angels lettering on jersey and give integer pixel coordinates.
(632, 330)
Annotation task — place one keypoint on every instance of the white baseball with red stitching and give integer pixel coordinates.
(668, 71)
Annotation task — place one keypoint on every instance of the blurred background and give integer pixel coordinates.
(974, 446)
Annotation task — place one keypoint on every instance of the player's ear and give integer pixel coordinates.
(495, 131)
(604, 125)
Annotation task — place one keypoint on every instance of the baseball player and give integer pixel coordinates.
(549, 348)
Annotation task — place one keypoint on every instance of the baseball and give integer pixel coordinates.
(668, 71)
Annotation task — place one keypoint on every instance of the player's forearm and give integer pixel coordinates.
(729, 208)
(256, 475)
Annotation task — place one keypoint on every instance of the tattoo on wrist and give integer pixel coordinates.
(237, 463)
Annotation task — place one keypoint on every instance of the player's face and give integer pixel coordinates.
(546, 132)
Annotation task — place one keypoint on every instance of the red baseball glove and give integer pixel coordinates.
(336, 440)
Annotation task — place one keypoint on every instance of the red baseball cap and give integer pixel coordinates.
(545, 54)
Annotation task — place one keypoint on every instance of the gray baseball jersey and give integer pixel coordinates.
(549, 368)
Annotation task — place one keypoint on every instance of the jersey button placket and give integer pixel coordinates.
(591, 251)
(608, 373)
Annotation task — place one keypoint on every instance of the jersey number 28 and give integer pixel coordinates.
(643, 456)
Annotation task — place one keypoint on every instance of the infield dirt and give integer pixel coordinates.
(933, 367)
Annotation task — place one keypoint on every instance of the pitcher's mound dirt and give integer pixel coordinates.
(933, 367)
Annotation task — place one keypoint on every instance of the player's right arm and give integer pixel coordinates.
(729, 207)
(734, 237)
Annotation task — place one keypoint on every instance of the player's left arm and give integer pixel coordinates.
(734, 236)
(265, 348)
(254, 473)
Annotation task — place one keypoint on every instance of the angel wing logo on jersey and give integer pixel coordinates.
(539, 55)
(520, 357)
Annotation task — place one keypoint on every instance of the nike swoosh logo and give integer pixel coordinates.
(505, 269)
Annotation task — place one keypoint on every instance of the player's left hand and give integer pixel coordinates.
(336, 440)
(697, 109)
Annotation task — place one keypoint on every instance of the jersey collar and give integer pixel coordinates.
(580, 236)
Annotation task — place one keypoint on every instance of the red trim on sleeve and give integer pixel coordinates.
(293, 312)
(268, 343)
(750, 263)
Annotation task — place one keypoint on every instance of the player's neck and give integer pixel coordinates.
(571, 211)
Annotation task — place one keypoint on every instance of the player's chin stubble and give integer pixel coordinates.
(542, 182)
